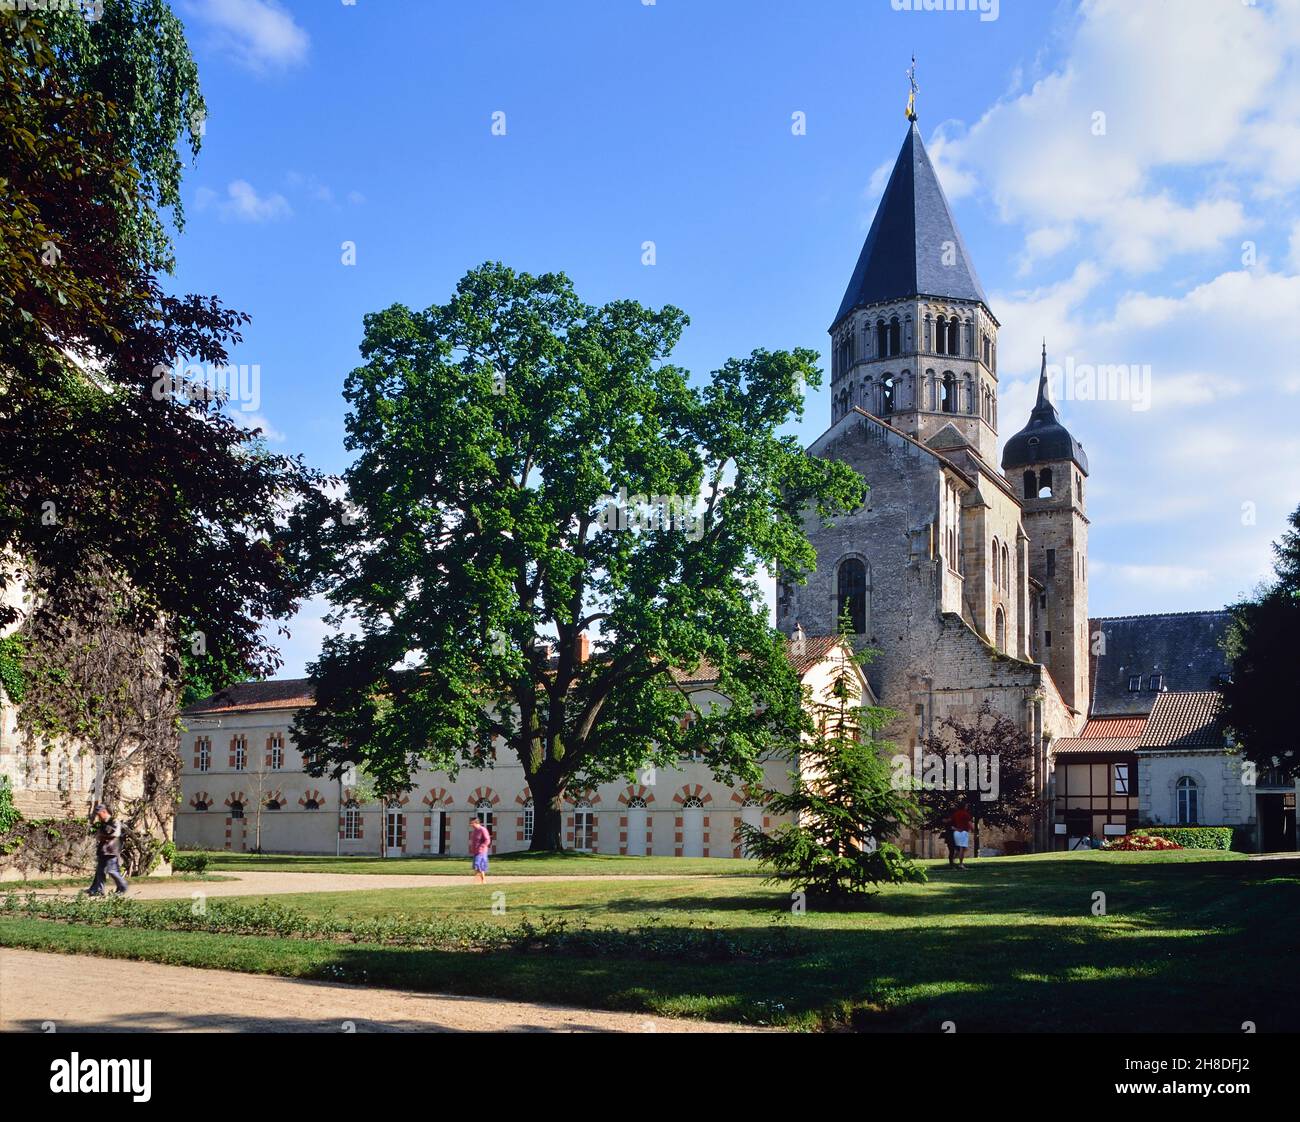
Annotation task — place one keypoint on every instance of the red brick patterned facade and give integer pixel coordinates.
(694, 793)
(646, 797)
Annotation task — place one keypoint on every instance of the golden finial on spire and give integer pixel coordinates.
(911, 97)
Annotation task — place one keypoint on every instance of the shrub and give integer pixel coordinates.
(196, 862)
(1141, 843)
(1192, 837)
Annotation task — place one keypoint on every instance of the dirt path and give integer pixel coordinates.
(77, 993)
(269, 884)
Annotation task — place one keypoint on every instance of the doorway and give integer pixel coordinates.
(636, 816)
(394, 833)
(1276, 814)
(692, 831)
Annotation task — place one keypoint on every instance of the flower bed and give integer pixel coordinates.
(1143, 843)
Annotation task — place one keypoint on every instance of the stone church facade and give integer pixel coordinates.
(968, 577)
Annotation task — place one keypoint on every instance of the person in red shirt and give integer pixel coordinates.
(961, 821)
(480, 841)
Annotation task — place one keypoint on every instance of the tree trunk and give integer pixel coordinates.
(548, 814)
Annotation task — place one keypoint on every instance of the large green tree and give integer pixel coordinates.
(494, 522)
(1261, 644)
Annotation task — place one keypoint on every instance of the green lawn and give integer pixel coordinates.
(512, 864)
(1191, 941)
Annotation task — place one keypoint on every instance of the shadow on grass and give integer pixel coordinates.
(1182, 948)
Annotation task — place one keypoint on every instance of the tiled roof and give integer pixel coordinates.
(284, 693)
(1109, 727)
(293, 693)
(904, 254)
(1184, 647)
(1095, 745)
(1185, 720)
(816, 648)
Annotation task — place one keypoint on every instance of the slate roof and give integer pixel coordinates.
(904, 251)
(1044, 438)
(1185, 720)
(1182, 646)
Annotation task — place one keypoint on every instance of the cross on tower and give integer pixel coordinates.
(911, 97)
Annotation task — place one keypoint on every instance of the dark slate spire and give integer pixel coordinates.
(904, 251)
(1044, 439)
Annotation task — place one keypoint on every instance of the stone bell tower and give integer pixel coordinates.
(914, 342)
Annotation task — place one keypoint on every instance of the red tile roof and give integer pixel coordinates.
(1112, 726)
(1185, 720)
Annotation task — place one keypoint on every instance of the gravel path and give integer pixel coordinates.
(77, 993)
(270, 884)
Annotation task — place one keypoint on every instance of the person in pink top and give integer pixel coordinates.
(480, 841)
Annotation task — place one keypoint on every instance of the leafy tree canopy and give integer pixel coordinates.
(1266, 661)
(484, 535)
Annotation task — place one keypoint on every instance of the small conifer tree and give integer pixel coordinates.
(844, 807)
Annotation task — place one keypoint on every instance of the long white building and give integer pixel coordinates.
(244, 788)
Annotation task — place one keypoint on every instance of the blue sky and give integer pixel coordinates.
(1124, 173)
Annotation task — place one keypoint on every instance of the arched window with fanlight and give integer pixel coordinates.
(1189, 801)
(851, 594)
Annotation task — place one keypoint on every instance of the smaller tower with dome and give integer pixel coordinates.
(1048, 468)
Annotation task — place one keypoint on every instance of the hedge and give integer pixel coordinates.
(196, 862)
(1192, 837)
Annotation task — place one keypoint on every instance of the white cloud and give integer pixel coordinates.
(242, 203)
(258, 34)
(1101, 146)
(257, 421)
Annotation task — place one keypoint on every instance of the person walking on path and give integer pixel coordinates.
(960, 823)
(108, 852)
(480, 841)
